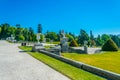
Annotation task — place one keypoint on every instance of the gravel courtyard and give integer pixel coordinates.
(17, 65)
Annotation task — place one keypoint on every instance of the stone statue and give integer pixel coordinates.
(63, 42)
(38, 46)
(38, 37)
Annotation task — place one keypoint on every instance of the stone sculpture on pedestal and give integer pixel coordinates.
(63, 43)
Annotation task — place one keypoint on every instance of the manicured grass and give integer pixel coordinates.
(47, 47)
(53, 42)
(106, 60)
(26, 48)
(66, 69)
(56, 43)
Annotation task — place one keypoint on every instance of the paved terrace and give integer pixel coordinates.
(16, 65)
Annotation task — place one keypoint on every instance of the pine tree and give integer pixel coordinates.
(39, 28)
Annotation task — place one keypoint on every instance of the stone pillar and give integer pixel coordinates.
(64, 45)
(85, 49)
(85, 46)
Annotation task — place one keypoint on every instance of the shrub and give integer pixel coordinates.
(21, 37)
(73, 43)
(47, 39)
(110, 46)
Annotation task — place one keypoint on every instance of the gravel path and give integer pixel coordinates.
(16, 65)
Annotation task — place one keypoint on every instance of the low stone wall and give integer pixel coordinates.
(71, 49)
(107, 74)
(89, 50)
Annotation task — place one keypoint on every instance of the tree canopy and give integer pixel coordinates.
(28, 34)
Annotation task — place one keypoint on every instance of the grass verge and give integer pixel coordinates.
(106, 60)
(66, 69)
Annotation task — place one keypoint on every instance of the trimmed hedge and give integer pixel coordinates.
(73, 43)
(110, 46)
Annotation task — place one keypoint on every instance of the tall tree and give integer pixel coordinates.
(4, 28)
(99, 41)
(73, 35)
(39, 28)
(83, 36)
(18, 25)
(18, 32)
(105, 37)
(92, 41)
(30, 34)
(52, 36)
(91, 35)
(116, 39)
(25, 34)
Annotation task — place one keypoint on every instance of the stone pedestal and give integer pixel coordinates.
(56, 50)
(64, 44)
(37, 47)
(85, 49)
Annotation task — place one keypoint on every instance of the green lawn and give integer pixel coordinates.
(56, 43)
(106, 60)
(66, 69)
(26, 48)
(53, 42)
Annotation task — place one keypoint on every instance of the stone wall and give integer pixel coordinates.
(81, 50)
(72, 50)
(107, 74)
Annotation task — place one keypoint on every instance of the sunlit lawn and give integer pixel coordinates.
(66, 69)
(56, 43)
(106, 60)
(53, 42)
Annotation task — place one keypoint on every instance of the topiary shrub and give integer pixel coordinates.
(73, 43)
(110, 46)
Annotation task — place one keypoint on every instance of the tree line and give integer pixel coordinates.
(17, 31)
(28, 34)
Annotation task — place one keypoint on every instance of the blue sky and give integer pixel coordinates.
(100, 16)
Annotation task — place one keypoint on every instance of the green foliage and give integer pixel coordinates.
(116, 39)
(83, 37)
(18, 32)
(30, 34)
(25, 33)
(47, 39)
(99, 41)
(4, 28)
(91, 35)
(0, 29)
(21, 37)
(105, 37)
(39, 28)
(73, 43)
(6, 31)
(41, 37)
(91, 43)
(110, 46)
(52, 36)
(34, 37)
(73, 35)
(70, 37)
